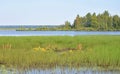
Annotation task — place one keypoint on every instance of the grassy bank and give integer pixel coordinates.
(50, 51)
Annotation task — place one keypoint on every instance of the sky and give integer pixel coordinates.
(51, 12)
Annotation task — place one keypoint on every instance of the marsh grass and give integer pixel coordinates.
(77, 51)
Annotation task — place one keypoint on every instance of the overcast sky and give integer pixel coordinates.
(51, 12)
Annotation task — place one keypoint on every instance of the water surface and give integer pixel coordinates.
(60, 71)
(56, 33)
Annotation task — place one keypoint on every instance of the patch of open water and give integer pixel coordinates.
(60, 71)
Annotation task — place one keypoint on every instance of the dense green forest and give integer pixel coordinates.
(98, 22)
(89, 22)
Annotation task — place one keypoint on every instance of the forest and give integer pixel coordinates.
(90, 22)
(100, 22)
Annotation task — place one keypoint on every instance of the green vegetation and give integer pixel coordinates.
(51, 51)
(89, 22)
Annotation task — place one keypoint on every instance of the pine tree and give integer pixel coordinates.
(88, 20)
(94, 21)
(77, 22)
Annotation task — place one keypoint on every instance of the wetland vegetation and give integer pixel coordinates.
(62, 51)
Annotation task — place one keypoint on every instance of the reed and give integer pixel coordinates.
(51, 51)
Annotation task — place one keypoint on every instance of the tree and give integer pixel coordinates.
(119, 23)
(77, 22)
(116, 21)
(67, 25)
(110, 23)
(102, 22)
(94, 21)
(99, 20)
(88, 20)
(106, 19)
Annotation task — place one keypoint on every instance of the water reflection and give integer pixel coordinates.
(59, 71)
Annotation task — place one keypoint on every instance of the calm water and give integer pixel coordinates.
(59, 71)
(55, 33)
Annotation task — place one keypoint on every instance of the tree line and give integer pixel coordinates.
(93, 22)
(89, 22)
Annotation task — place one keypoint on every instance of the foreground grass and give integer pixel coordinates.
(51, 51)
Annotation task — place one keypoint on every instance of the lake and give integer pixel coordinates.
(58, 70)
(55, 33)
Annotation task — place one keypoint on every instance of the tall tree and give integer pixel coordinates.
(110, 22)
(94, 21)
(116, 21)
(106, 19)
(99, 19)
(88, 20)
(103, 20)
(77, 22)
